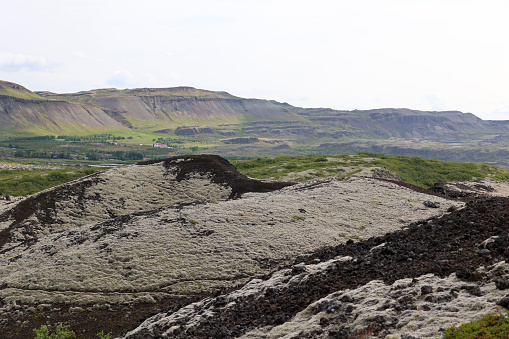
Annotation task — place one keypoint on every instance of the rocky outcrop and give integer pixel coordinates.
(242, 140)
(192, 130)
(121, 191)
(178, 109)
(187, 227)
(165, 130)
(257, 257)
(410, 283)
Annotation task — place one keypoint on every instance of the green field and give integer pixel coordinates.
(413, 170)
(19, 182)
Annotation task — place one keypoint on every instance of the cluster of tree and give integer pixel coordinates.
(129, 155)
(92, 138)
(170, 141)
(119, 155)
(93, 156)
(38, 138)
(41, 154)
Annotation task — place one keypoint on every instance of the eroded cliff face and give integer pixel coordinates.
(184, 109)
(177, 106)
(407, 123)
(55, 116)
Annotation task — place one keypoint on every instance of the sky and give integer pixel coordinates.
(342, 54)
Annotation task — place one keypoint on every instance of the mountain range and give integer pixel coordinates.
(230, 125)
(169, 107)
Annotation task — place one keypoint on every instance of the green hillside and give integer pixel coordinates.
(17, 91)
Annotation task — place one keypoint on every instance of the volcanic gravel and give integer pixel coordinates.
(439, 246)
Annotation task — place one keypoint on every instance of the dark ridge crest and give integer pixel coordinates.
(221, 172)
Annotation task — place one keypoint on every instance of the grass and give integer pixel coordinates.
(20, 182)
(413, 170)
(426, 172)
(62, 332)
(491, 326)
(180, 92)
(417, 171)
(6, 88)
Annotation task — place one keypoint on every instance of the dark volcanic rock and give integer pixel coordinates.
(431, 204)
(220, 170)
(504, 302)
(42, 212)
(166, 130)
(192, 130)
(244, 140)
(441, 246)
(426, 290)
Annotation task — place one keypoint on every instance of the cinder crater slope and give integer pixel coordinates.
(146, 186)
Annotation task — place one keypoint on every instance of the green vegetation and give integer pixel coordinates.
(101, 335)
(413, 170)
(14, 90)
(19, 182)
(181, 92)
(491, 326)
(417, 171)
(98, 147)
(278, 167)
(426, 172)
(61, 333)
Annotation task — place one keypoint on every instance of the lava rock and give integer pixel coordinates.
(484, 252)
(504, 302)
(502, 283)
(431, 204)
(426, 289)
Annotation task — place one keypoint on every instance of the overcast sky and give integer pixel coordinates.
(343, 54)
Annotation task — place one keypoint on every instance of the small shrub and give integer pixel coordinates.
(101, 335)
(298, 218)
(491, 326)
(61, 333)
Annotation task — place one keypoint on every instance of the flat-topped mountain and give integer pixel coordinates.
(110, 109)
(189, 120)
(158, 108)
(176, 105)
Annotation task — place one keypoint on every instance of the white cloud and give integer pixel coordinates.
(340, 54)
(121, 79)
(126, 79)
(436, 103)
(15, 62)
